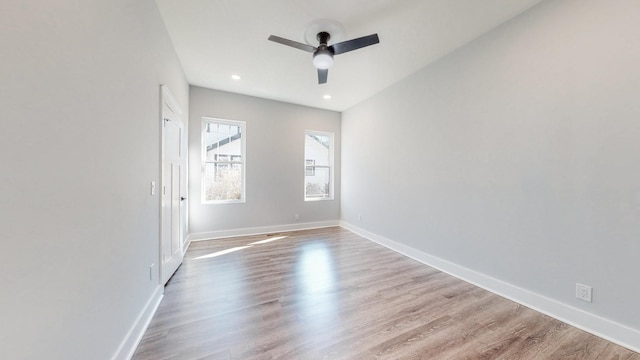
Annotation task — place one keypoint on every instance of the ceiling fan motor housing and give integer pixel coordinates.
(323, 56)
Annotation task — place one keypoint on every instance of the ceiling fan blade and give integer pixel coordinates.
(322, 76)
(354, 44)
(292, 43)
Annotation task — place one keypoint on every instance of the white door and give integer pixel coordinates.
(173, 213)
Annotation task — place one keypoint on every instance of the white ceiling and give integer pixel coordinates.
(217, 38)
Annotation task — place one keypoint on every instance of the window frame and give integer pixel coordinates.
(331, 165)
(203, 157)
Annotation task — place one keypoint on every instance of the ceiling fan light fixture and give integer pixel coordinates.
(323, 59)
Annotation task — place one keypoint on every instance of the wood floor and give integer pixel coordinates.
(330, 294)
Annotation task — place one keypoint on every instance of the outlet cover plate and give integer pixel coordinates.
(583, 292)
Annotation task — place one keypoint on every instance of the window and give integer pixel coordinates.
(318, 165)
(223, 160)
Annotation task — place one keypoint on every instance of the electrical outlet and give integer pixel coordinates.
(151, 271)
(296, 217)
(583, 292)
(359, 217)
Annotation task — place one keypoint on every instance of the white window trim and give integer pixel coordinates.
(203, 159)
(331, 164)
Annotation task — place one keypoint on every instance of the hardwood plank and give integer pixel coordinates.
(330, 294)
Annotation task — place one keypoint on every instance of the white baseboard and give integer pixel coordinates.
(261, 230)
(128, 346)
(594, 324)
(187, 242)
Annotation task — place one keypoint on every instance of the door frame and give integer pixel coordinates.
(166, 98)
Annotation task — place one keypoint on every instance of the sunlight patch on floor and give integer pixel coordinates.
(238, 248)
(212, 255)
(269, 240)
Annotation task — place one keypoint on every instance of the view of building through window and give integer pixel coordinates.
(318, 151)
(223, 168)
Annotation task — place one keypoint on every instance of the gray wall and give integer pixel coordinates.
(516, 156)
(274, 160)
(79, 146)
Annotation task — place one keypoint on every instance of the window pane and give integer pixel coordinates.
(318, 185)
(222, 139)
(317, 149)
(223, 181)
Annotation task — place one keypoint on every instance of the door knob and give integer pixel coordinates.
(182, 198)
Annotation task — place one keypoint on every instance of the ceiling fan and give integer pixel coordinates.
(323, 53)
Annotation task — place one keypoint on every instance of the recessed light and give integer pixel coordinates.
(235, 77)
(327, 97)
